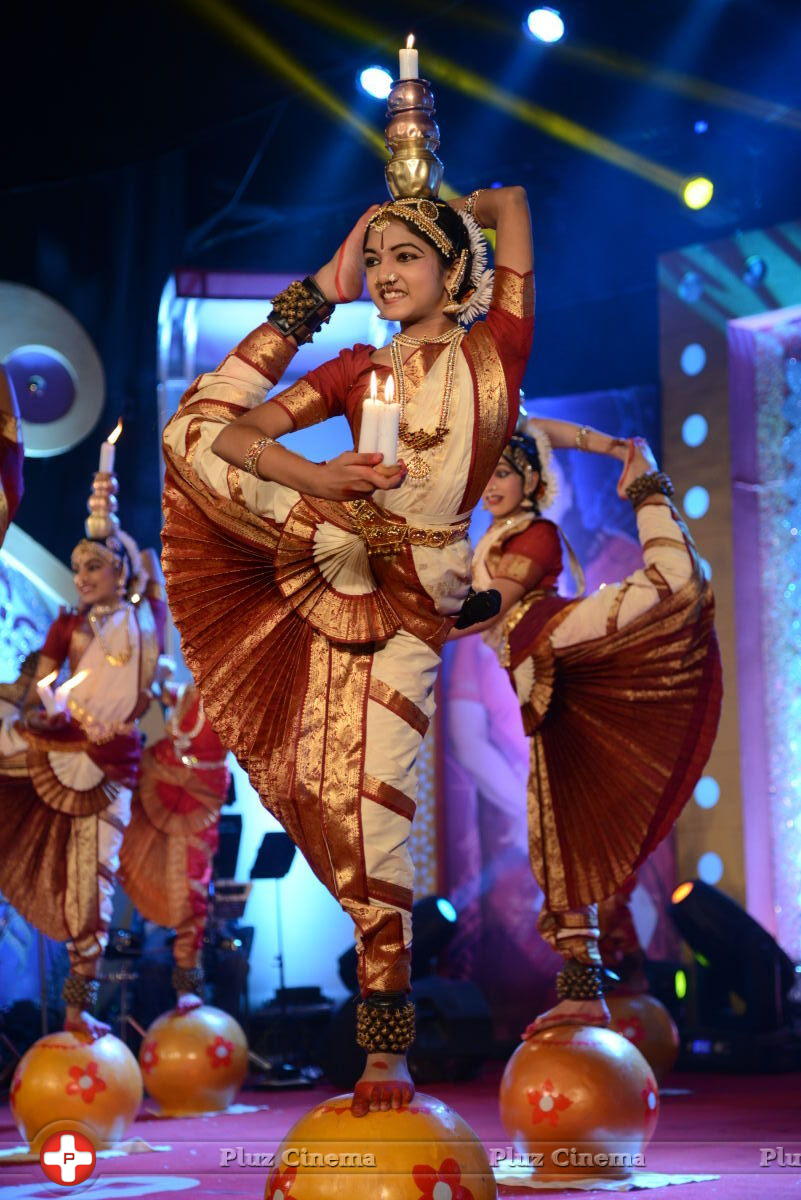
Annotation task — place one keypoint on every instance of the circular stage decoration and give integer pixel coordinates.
(54, 368)
(423, 1150)
(193, 1062)
(648, 1025)
(576, 1102)
(66, 1081)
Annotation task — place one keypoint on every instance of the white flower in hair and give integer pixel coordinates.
(549, 487)
(481, 276)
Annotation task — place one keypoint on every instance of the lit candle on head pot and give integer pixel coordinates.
(371, 407)
(408, 60)
(388, 424)
(107, 449)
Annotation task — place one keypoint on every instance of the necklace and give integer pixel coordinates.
(113, 660)
(421, 440)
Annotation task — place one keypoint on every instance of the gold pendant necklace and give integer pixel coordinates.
(113, 660)
(421, 440)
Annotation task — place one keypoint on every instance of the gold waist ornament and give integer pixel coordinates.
(385, 536)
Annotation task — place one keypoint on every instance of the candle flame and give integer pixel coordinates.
(389, 390)
(46, 680)
(373, 386)
(115, 433)
(69, 684)
(410, 42)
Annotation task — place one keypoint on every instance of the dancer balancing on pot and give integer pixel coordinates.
(313, 599)
(67, 770)
(170, 843)
(620, 691)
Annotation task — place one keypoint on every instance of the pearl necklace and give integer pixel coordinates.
(421, 440)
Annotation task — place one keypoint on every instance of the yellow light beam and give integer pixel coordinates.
(472, 84)
(603, 58)
(249, 37)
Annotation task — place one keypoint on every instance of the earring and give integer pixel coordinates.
(455, 305)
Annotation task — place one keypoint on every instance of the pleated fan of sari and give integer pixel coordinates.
(248, 597)
(629, 728)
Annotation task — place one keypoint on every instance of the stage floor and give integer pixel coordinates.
(722, 1124)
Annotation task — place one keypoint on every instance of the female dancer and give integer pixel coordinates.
(313, 598)
(620, 692)
(168, 848)
(66, 779)
(11, 454)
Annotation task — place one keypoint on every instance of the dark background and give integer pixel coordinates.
(129, 129)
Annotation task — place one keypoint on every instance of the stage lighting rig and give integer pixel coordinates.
(698, 192)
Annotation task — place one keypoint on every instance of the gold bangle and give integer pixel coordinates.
(470, 202)
(581, 437)
(251, 463)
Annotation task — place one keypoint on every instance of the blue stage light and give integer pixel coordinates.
(545, 24)
(446, 909)
(376, 81)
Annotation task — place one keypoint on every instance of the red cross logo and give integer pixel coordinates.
(67, 1158)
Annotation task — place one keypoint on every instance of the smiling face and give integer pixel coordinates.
(96, 577)
(406, 277)
(504, 494)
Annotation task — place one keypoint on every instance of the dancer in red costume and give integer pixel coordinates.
(12, 454)
(313, 599)
(168, 848)
(66, 775)
(620, 692)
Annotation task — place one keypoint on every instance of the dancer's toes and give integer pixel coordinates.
(80, 1021)
(385, 1084)
(187, 1002)
(639, 461)
(570, 1012)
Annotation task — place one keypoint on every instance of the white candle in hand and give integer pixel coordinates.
(49, 702)
(107, 449)
(368, 433)
(408, 60)
(388, 423)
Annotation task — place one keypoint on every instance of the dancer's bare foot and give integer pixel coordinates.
(570, 1012)
(639, 461)
(385, 1083)
(188, 1001)
(79, 1021)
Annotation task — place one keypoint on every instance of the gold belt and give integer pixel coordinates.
(384, 536)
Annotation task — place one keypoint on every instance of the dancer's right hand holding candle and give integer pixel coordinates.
(388, 424)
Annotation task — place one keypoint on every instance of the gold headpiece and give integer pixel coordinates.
(420, 212)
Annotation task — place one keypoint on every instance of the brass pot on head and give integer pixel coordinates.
(412, 137)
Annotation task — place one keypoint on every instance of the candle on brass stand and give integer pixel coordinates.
(102, 503)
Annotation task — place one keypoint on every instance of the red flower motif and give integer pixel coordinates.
(85, 1082)
(279, 1184)
(220, 1052)
(650, 1099)
(149, 1057)
(443, 1184)
(547, 1104)
(631, 1028)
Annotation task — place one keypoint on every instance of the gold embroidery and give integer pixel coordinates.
(492, 410)
(9, 427)
(513, 566)
(267, 350)
(513, 293)
(400, 705)
(388, 796)
(304, 404)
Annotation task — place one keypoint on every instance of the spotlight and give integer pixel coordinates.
(737, 955)
(698, 192)
(701, 127)
(376, 81)
(545, 24)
